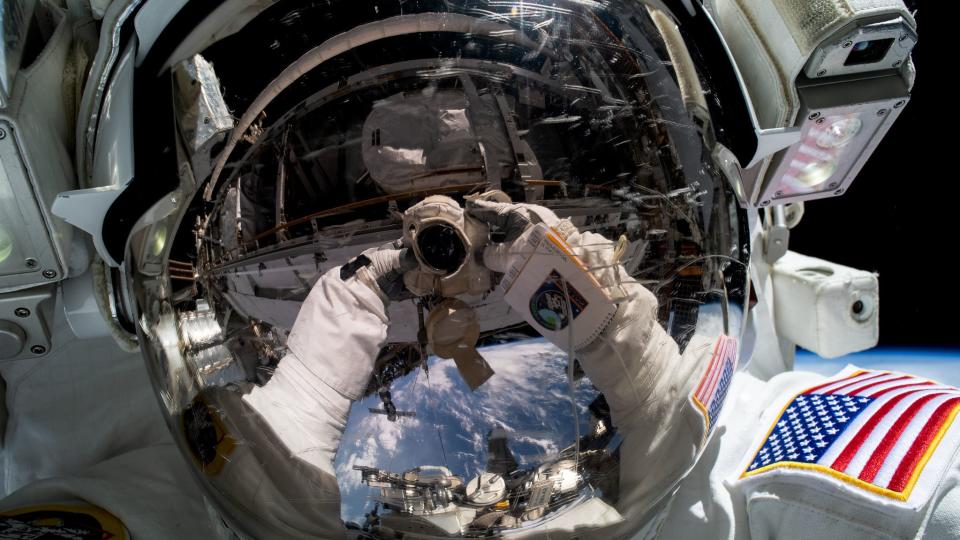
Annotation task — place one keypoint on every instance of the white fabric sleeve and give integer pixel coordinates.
(338, 333)
(647, 383)
(332, 349)
(715, 500)
(945, 516)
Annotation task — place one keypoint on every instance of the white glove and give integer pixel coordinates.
(382, 270)
(514, 222)
(343, 322)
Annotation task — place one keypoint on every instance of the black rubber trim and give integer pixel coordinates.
(350, 269)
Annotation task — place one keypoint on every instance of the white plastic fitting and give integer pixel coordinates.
(827, 308)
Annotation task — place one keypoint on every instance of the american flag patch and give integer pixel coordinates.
(873, 429)
(713, 386)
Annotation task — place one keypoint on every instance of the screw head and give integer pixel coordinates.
(38, 349)
(831, 185)
(899, 104)
(821, 120)
(3, 134)
(813, 116)
(838, 192)
(49, 274)
(779, 194)
(881, 112)
(31, 263)
(821, 73)
(902, 37)
(897, 63)
(764, 203)
(847, 44)
(21, 312)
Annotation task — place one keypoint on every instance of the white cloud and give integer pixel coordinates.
(527, 397)
(374, 441)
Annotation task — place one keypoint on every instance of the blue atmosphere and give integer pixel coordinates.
(937, 364)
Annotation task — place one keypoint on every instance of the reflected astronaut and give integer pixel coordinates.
(451, 269)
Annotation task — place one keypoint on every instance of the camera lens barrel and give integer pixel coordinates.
(441, 247)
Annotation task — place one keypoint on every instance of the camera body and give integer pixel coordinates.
(449, 246)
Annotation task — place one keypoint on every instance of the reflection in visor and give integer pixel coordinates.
(441, 248)
(573, 106)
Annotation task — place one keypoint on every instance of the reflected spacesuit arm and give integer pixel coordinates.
(632, 361)
(647, 383)
(332, 350)
(343, 323)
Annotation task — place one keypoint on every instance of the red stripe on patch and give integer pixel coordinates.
(877, 383)
(845, 457)
(831, 383)
(854, 383)
(707, 374)
(716, 366)
(893, 388)
(929, 433)
(880, 454)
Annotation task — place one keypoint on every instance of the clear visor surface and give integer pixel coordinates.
(572, 105)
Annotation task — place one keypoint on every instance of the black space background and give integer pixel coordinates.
(900, 216)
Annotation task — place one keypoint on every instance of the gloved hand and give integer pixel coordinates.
(382, 270)
(515, 223)
(342, 324)
(546, 280)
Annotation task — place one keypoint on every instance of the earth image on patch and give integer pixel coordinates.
(527, 400)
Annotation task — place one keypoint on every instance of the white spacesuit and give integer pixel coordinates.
(650, 388)
(200, 206)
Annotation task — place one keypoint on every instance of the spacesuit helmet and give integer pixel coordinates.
(304, 134)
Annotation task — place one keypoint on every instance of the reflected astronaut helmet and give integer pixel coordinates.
(303, 132)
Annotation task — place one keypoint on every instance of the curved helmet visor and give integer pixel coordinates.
(346, 115)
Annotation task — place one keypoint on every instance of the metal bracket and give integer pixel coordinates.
(771, 141)
(25, 313)
(86, 209)
(776, 235)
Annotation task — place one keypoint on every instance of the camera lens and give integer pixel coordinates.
(441, 248)
(868, 52)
